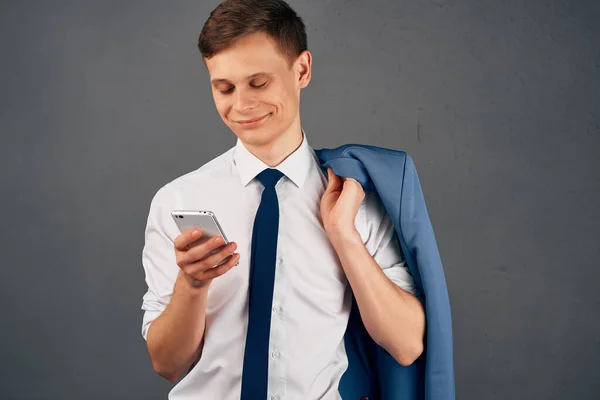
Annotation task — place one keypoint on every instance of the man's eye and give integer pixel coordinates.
(227, 91)
(258, 86)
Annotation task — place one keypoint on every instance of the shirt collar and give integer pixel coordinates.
(295, 166)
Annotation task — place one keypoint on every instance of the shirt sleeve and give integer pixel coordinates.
(381, 240)
(158, 258)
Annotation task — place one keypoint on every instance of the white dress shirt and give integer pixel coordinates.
(311, 297)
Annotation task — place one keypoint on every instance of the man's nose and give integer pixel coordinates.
(244, 101)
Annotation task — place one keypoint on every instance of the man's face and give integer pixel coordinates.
(256, 94)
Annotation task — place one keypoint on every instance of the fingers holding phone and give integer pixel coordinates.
(202, 250)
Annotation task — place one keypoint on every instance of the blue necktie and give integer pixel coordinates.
(262, 276)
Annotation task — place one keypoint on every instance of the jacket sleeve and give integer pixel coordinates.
(382, 243)
(418, 241)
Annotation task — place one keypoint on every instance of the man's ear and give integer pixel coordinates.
(303, 68)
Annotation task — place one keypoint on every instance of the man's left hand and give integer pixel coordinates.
(340, 204)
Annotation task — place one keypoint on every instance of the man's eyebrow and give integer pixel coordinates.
(222, 80)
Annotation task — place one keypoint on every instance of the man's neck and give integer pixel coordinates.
(275, 152)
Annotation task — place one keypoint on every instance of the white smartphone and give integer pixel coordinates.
(205, 221)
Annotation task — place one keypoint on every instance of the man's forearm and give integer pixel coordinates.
(175, 338)
(393, 317)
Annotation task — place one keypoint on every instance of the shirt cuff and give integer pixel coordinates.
(398, 273)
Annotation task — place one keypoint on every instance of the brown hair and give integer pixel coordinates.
(233, 19)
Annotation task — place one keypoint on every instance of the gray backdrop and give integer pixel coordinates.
(497, 101)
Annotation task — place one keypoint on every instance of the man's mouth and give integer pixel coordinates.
(249, 121)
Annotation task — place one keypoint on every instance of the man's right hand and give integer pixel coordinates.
(196, 263)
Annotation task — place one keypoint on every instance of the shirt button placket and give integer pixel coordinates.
(279, 365)
(275, 355)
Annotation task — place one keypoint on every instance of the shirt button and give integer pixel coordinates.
(275, 309)
(275, 355)
(274, 397)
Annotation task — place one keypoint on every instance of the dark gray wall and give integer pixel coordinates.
(102, 102)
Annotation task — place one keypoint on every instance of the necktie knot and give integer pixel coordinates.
(269, 177)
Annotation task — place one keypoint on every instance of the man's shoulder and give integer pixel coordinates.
(212, 170)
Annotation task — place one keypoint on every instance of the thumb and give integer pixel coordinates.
(332, 179)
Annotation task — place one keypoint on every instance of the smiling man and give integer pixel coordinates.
(331, 240)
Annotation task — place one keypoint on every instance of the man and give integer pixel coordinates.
(332, 236)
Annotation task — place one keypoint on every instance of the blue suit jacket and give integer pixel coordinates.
(372, 372)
